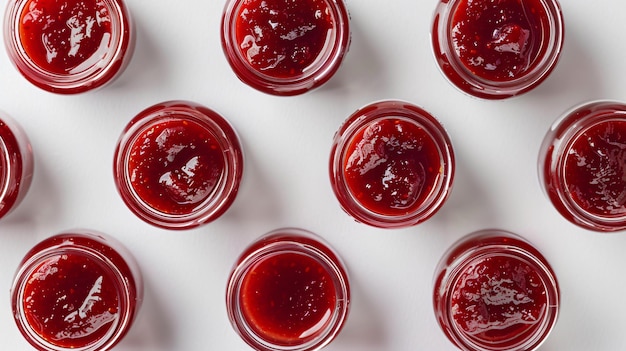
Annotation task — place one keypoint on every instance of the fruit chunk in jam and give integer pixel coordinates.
(499, 40)
(595, 169)
(282, 38)
(288, 297)
(392, 166)
(498, 298)
(62, 35)
(70, 300)
(175, 165)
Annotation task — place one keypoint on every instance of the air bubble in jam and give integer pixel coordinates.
(65, 37)
(71, 301)
(595, 169)
(498, 298)
(282, 38)
(175, 165)
(392, 166)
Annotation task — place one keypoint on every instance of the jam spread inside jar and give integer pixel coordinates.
(174, 165)
(288, 298)
(499, 40)
(595, 169)
(282, 38)
(498, 299)
(71, 301)
(64, 37)
(391, 166)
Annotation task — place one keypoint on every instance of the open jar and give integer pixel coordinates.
(77, 290)
(68, 47)
(16, 164)
(288, 291)
(497, 49)
(494, 291)
(285, 47)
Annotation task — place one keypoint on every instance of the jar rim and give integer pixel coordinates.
(322, 69)
(383, 110)
(225, 191)
(93, 76)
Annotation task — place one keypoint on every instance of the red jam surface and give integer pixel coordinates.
(498, 299)
(175, 165)
(595, 169)
(62, 35)
(392, 166)
(499, 40)
(71, 301)
(282, 38)
(288, 298)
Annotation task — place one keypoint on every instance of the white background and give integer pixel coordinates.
(287, 142)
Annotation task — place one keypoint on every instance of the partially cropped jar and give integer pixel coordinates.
(494, 291)
(391, 165)
(288, 291)
(497, 49)
(582, 165)
(16, 164)
(77, 290)
(285, 47)
(178, 165)
(66, 46)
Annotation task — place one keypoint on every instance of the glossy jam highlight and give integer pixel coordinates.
(78, 290)
(178, 165)
(16, 164)
(497, 49)
(582, 165)
(288, 291)
(68, 46)
(495, 291)
(391, 165)
(285, 47)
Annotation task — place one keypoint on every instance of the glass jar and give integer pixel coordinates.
(494, 291)
(178, 165)
(68, 47)
(77, 290)
(582, 165)
(282, 47)
(16, 164)
(391, 165)
(288, 290)
(497, 49)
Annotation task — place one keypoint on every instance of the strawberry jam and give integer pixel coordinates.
(583, 165)
(391, 164)
(61, 35)
(16, 164)
(175, 165)
(288, 290)
(288, 297)
(78, 290)
(497, 49)
(494, 291)
(178, 165)
(285, 47)
(68, 46)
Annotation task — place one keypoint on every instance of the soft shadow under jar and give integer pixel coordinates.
(497, 49)
(494, 291)
(78, 290)
(178, 165)
(582, 165)
(16, 164)
(66, 46)
(285, 47)
(288, 290)
(391, 165)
